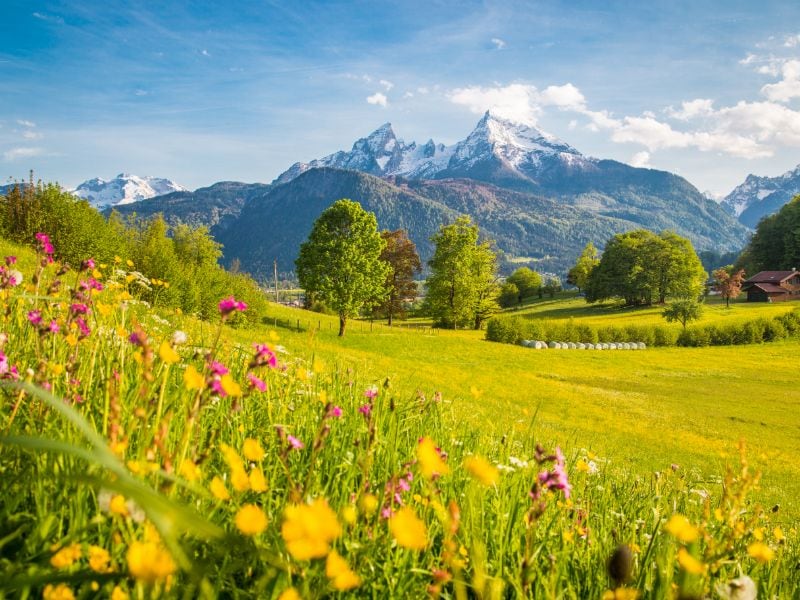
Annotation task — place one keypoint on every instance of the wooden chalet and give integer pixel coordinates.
(773, 286)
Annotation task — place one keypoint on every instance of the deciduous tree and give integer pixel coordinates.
(401, 255)
(728, 283)
(587, 261)
(527, 282)
(340, 262)
(462, 287)
(683, 310)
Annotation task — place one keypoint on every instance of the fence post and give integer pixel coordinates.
(298, 324)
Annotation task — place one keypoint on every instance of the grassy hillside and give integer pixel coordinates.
(645, 410)
(146, 453)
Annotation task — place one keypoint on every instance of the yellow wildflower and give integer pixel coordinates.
(340, 574)
(119, 447)
(369, 503)
(167, 353)
(119, 594)
(349, 514)
(99, 559)
(689, 563)
(149, 561)
(189, 471)
(582, 466)
(308, 529)
(761, 552)
(218, 489)
(103, 309)
(323, 397)
(430, 462)
(777, 533)
(718, 514)
(253, 450)
(118, 506)
(289, 594)
(251, 520)
(758, 533)
(408, 529)
(257, 481)
(66, 556)
(232, 458)
(230, 386)
(680, 528)
(129, 262)
(59, 592)
(71, 340)
(482, 470)
(192, 379)
(622, 593)
(568, 536)
(239, 480)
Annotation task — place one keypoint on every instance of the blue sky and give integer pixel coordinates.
(202, 92)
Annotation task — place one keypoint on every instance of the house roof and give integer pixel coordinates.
(770, 288)
(770, 276)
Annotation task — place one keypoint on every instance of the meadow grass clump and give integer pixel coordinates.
(149, 454)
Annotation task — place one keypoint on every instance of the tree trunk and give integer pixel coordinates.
(342, 323)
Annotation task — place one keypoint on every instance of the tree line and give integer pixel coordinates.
(179, 265)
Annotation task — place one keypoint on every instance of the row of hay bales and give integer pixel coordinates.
(539, 345)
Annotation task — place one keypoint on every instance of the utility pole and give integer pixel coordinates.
(275, 273)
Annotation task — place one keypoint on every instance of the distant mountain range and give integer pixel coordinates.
(758, 197)
(124, 189)
(539, 198)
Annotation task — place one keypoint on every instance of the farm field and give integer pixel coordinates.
(568, 306)
(647, 410)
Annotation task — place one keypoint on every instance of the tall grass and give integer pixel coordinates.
(159, 456)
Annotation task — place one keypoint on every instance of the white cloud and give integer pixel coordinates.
(31, 135)
(379, 99)
(140, 93)
(386, 84)
(516, 102)
(25, 123)
(423, 90)
(792, 41)
(788, 87)
(650, 133)
(205, 52)
(700, 107)
(572, 125)
(498, 43)
(15, 153)
(641, 159)
(49, 18)
(565, 96)
(408, 95)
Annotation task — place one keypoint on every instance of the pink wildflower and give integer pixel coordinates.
(11, 260)
(35, 317)
(371, 392)
(365, 409)
(83, 327)
(264, 356)
(53, 327)
(256, 383)
(229, 305)
(294, 443)
(87, 264)
(335, 412)
(78, 308)
(217, 368)
(45, 246)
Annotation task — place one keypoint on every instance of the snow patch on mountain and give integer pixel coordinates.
(125, 188)
(755, 190)
(517, 146)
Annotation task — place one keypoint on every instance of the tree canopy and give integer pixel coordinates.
(728, 282)
(341, 264)
(526, 281)
(775, 246)
(579, 274)
(642, 267)
(401, 255)
(462, 287)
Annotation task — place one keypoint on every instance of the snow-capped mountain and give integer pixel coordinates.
(124, 189)
(496, 146)
(758, 196)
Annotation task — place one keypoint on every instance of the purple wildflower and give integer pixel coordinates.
(137, 338)
(87, 264)
(83, 327)
(78, 308)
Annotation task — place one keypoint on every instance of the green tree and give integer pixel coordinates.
(509, 295)
(587, 261)
(401, 255)
(340, 262)
(776, 243)
(462, 287)
(642, 267)
(683, 310)
(551, 285)
(527, 282)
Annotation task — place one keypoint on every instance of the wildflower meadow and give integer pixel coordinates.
(150, 454)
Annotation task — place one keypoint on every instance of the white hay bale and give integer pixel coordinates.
(626, 346)
(581, 346)
(541, 345)
(553, 345)
(526, 343)
(612, 346)
(590, 346)
(642, 346)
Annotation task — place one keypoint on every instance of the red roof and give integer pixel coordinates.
(770, 276)
(770, 288)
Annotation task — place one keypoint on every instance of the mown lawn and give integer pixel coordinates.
(642, 410)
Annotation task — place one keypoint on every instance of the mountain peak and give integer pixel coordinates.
(124, 189)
